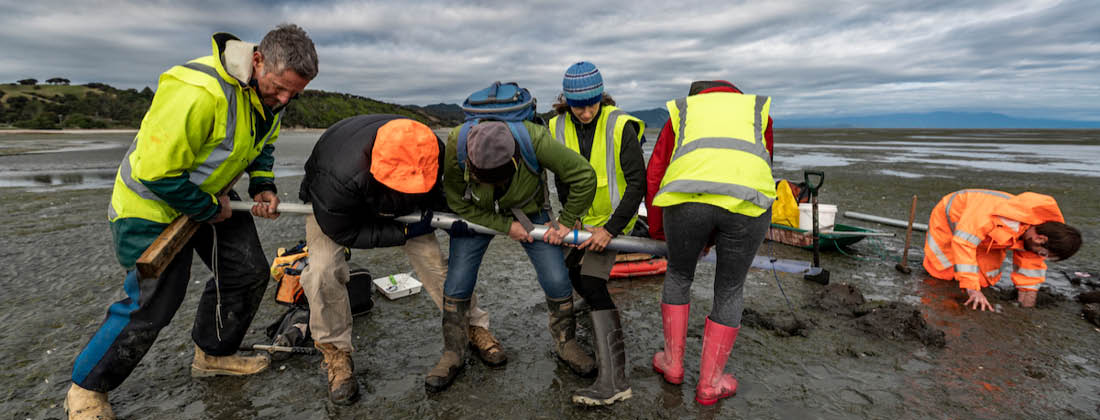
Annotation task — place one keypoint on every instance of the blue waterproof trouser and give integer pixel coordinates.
(132, 324)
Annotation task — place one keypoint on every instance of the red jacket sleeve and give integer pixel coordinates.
(655, 172)
(768, 141)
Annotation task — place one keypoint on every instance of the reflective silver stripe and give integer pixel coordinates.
(757, 127)
(609, 141)
(223, 150)
(1029, 272)
(1012, 224)
(559, 128)
(966, 268)
(944, 262)
(692, 186)
(969, 237)
(126, 173)
(727, 143)
(682, 107)
(993, 274)
(947, 208)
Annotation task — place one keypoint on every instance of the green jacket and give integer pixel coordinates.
(485, 209)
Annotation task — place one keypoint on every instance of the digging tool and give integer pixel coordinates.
(157, 256)
(901, 266)
(281, 349)
(821, 275)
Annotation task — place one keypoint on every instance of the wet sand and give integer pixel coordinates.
(61, 275)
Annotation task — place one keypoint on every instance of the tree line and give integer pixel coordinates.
(26, 104)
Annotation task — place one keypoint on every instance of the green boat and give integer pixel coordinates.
(840, 236)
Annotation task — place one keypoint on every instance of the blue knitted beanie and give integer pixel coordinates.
(582, 85)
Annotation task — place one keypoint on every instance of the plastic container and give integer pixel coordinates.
(826, 216)
(405, 285)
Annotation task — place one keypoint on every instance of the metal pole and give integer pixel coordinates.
(886, 221)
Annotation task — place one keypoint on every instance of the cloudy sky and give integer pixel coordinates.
(1030, 58)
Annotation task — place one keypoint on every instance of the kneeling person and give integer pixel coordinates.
(363, 172)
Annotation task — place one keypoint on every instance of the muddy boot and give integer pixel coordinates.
(455, 339)
(488, 348)
(670, 363)
(85, 404)
(563, 327)
(611, 385)
(343, 389)
(717, 343)
(232, 365)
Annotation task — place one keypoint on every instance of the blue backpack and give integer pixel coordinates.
(505, 102)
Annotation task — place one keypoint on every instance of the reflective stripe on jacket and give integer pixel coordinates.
(719, 157)
(970, 231)
(606, 144)
(200, 124)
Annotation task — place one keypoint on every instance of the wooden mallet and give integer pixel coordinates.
(901, 266)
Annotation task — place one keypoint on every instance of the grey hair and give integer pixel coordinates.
(288, 46)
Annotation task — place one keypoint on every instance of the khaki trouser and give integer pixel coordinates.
(324, 282)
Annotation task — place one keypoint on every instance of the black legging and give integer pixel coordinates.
(688, 227)
(592, 289)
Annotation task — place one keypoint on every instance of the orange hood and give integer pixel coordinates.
(1030, 208)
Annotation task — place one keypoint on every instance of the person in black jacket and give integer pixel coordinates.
(363, 172)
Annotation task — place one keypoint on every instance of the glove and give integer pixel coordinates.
(459, 229)
(422, 227)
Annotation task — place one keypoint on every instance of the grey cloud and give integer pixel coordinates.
(1029, 58)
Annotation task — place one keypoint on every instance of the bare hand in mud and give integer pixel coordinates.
(598, 241)
(1027, 298)
(224, 212)
(267, 205)
(978, 299)
(517, 232)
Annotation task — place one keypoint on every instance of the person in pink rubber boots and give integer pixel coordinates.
(710, 180)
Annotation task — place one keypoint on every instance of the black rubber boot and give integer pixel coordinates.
(611, 385)
(563, 327)
(455, 339)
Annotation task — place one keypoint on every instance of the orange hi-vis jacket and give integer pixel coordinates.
(970, 231)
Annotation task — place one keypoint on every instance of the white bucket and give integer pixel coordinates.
(826, 216)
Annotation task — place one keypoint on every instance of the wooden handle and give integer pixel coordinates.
(909, 231)
(157, 256)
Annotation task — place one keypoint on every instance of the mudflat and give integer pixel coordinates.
(873, 344)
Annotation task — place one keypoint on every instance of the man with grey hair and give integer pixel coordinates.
(212, 119)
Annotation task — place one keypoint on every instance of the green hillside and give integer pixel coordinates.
(97, 105)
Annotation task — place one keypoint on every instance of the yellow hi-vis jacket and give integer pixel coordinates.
(719, 157)
(607, 142)
(200, 124)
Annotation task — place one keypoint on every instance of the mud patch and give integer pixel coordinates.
(1045, 299)
(839, 298)
(900, 321)
(1089, 297)
(783, 324)
(1091, 312)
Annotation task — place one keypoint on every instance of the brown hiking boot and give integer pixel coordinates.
(488, 347)
(342, 387)
(563, 327)
(85, 404)
(232, 365)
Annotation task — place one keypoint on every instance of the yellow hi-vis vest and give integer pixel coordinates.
(719, 157)
(606, 143)
(163, 147)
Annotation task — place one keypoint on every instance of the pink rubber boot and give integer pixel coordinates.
(713, 383)
(670, 362)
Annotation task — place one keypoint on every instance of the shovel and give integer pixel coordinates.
(901, 266)
(816, 273)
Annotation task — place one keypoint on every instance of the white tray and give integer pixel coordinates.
(406, 285)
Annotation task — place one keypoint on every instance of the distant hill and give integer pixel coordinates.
(445, 112)
(97, 105)
(942, 119)
(654, 118)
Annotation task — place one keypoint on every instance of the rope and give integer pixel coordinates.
(217, 285)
